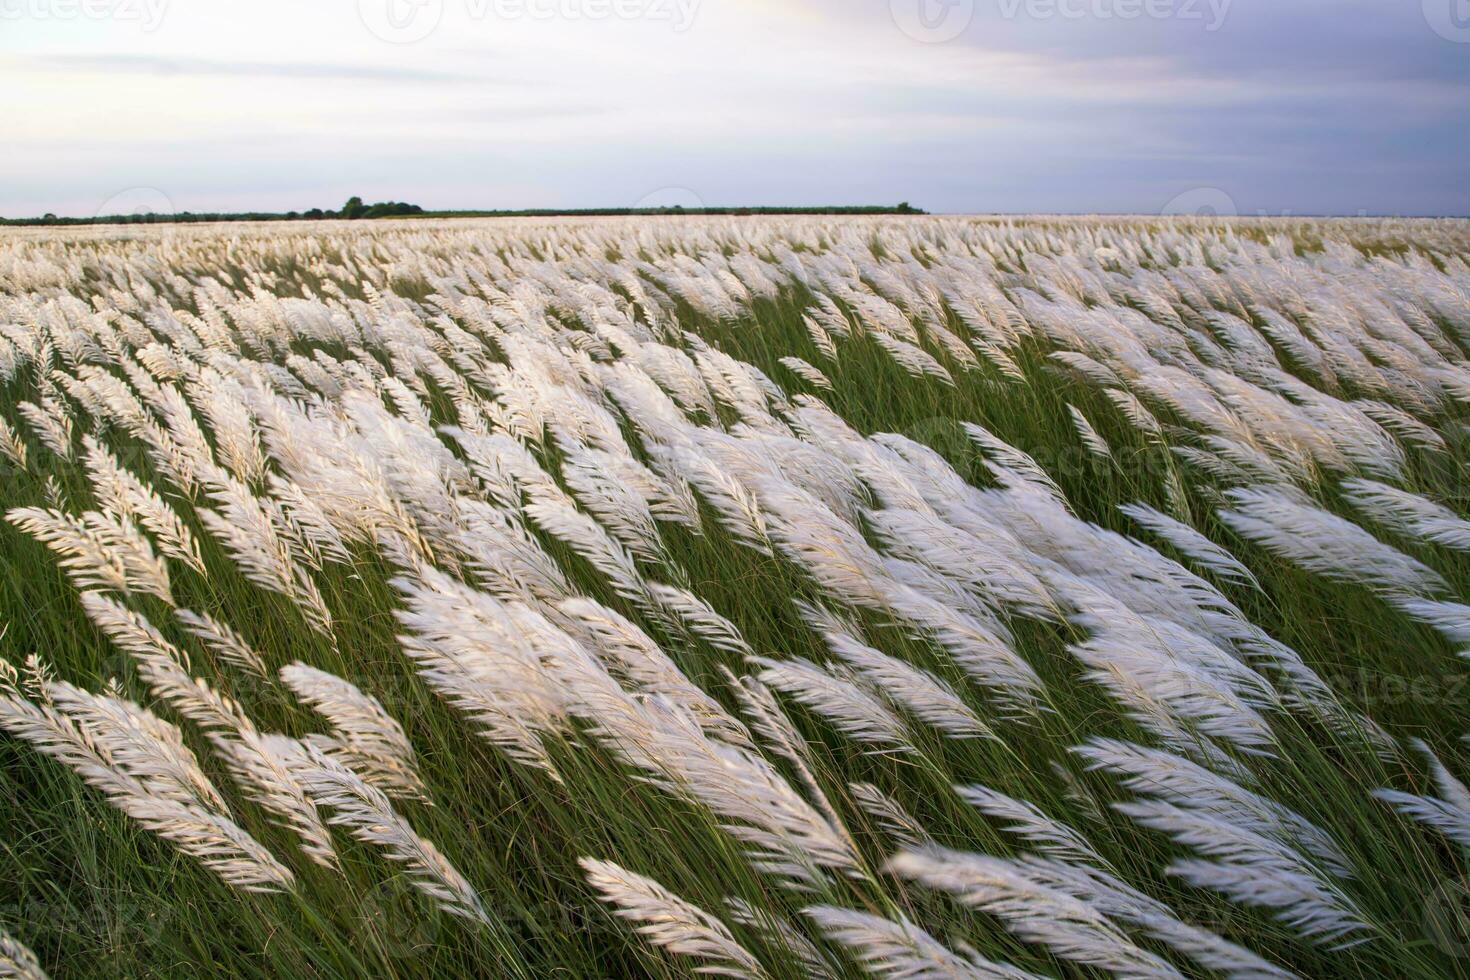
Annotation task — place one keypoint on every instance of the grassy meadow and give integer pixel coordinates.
(775, 597)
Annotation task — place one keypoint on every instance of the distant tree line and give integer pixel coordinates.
(356, 209)
(353, 209)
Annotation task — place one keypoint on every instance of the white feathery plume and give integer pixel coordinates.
(12, 446)
(124, 495)
(248, 530)
(367, 739)
(1218, 467)
(927, 697)
(1451, 619)
(169, 457)
(1086, 367)
(684, 610)
(1408, 513)
(1071, 929)
(1286, 525)
(1449, 813)
(504, 556)
(163, 666)
(981, 649)
(821, 339)
(505, 467)
(1170, 678)
(1253, 870)
(1191, 543)
(846, 706)
(137, 743)
(222, 641)
(1124, 903)
(772, 724)
(98, 550)
(878, 315)
(17, 962)
(1402, 424)
(1176, 780)
(1027, 821)
(259, 763)
(738, 510)
(1000, 360)
(367, 814)
(469, 654)
(669, 922)
(407, 403)
(838, 557)
(890, 815)
(591, 541)
(1135, 412)
(306, 524)
(956, 348)
(235, 435)
(631, 654)
(1174, 491)
(830, 549)
(790, 839)
(183, 428)
(986, 567)
(262, 765)
(900, 950)
(594, 478)
(217, 842)
(640, 496)
(1094, 442)
(913, 359)
(128, 755)
(1243, 462)
(806, 372)
(51, 423)
(1003, 458)
(831, 317)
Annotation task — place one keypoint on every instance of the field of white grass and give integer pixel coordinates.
(790, 597)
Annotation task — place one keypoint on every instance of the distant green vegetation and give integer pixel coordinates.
(355, 208)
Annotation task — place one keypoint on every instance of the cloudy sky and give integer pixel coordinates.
(1257, 106)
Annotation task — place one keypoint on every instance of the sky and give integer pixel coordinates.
(960, 106)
